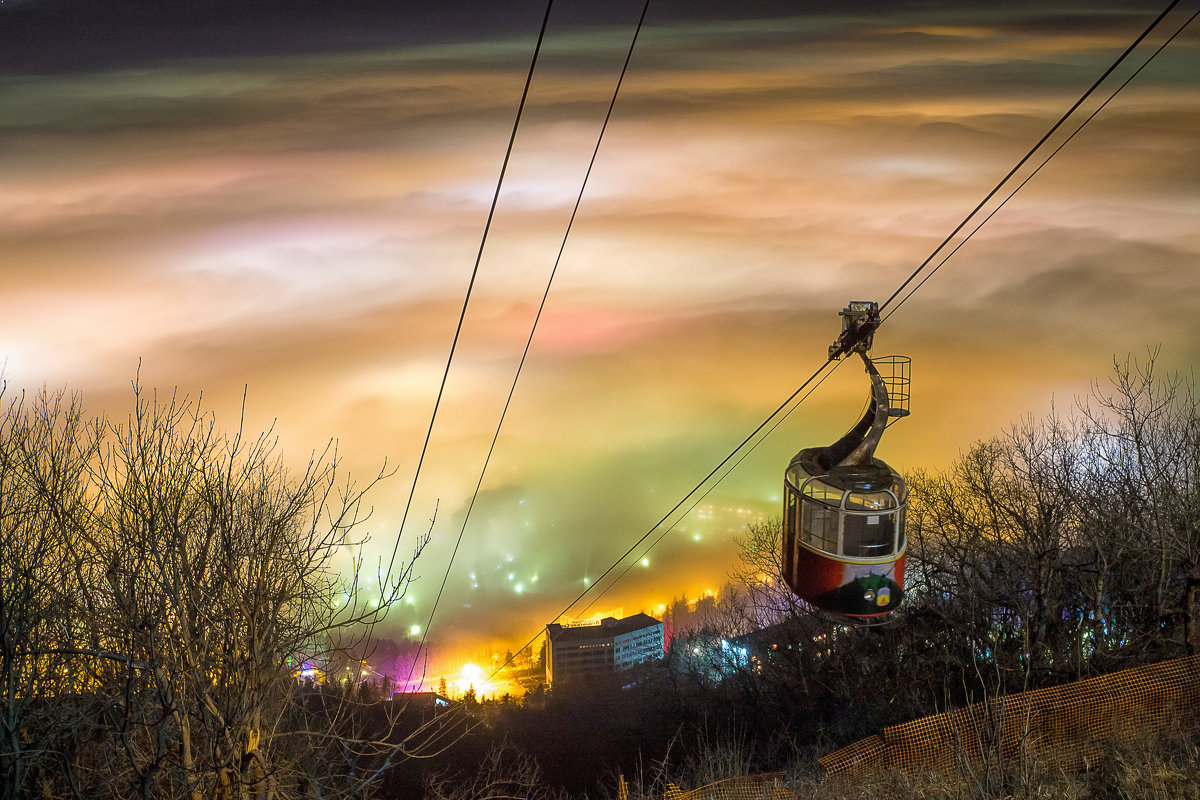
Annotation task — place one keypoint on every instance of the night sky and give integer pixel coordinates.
(289, 196)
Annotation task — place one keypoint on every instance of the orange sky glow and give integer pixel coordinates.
(302, 226)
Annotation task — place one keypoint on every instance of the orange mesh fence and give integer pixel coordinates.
(768, 786)
(1069, 725)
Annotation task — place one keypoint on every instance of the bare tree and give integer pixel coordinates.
(760, 570)
(45, 447)
(162, 585)
(993, 551)
(505, 774)
(1063, 548)
(1141, 487)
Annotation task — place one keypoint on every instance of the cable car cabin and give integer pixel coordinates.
(843, 522)
(843, 535)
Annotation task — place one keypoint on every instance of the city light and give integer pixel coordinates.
(472, 678)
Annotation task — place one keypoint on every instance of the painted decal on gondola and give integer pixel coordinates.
(862, 595)
(857, 590)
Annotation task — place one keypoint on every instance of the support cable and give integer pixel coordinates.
(471, 284)
(536, 319)
(1045, 161)
(999, 186)
(674, 508)
(928, 260)
(1083, 98)
(708, 491)
(893, 296)
(474, 272)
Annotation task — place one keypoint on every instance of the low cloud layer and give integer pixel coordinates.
(302, 221)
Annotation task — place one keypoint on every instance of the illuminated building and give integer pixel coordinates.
(608, 646)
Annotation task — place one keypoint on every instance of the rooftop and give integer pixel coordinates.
(606, 629)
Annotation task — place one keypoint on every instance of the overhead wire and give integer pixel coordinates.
(537, 317)
(991, 194)
(1045, 161)
(709, 490)
(470, 285)
(674, 508)
(999, 186)
(920, 268)
(1062, 120)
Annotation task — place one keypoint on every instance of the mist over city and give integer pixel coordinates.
(281, 214)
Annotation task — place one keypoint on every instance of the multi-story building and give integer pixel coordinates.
(607, 646)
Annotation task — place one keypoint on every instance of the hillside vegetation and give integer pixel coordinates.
(163, 587)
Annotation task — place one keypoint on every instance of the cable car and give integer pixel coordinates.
(843, 521)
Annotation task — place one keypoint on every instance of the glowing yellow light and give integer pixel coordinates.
(414, 630)
(645, 562)
(472, 677)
